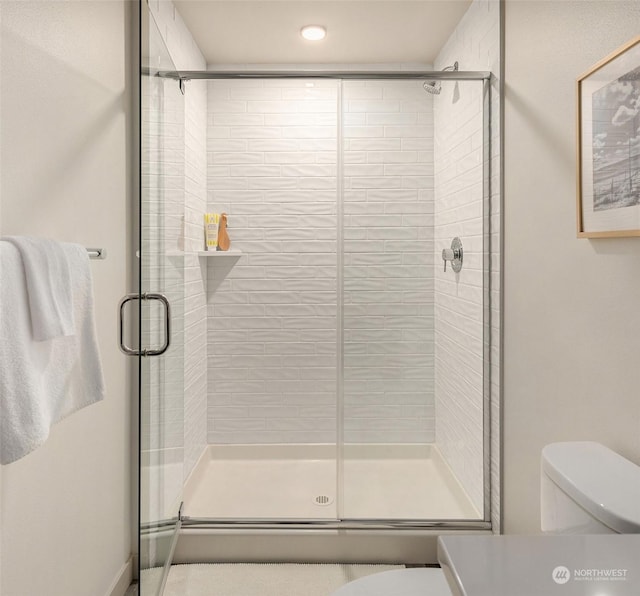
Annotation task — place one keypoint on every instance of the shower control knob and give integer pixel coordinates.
(447, 255)
(453, 254)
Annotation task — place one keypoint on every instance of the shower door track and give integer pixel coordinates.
(188, 75)
(195, 523)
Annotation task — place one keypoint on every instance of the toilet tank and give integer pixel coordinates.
(588, 489)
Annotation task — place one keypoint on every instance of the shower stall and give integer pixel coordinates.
(331, 372)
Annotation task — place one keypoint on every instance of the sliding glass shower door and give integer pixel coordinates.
(346, 361)
(388, 202)
(272, 167)
(413, 440)
(336, 323)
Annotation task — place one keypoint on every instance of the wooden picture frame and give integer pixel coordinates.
(608, 146)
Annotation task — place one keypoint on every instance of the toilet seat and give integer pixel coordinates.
(416, 581)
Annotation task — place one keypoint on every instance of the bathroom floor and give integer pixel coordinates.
(264, 579)
(239, 579)
(279, 482)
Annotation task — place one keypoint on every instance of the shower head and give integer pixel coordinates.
(434, 87)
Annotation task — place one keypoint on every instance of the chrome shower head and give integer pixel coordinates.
(434, 87)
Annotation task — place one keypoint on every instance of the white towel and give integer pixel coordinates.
(42, 382)
(48, 286)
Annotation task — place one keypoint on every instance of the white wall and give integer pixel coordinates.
(65, 508)
(571, 324)
(459, 211)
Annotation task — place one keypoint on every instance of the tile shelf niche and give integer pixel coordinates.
(220, 253)
(205, 253)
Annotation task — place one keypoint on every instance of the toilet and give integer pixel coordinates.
(585, 488)
(415, 581)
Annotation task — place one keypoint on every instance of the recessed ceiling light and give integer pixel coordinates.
(313, 32)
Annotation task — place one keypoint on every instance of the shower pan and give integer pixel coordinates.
(330, 374)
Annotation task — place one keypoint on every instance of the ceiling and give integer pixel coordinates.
(360, 32)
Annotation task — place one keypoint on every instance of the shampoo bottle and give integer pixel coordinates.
(211, 223)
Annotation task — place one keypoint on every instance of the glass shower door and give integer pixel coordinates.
(161, 276)
(414, 334)
(272, 308)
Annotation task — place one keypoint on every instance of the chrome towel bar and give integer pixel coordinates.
(97, 253)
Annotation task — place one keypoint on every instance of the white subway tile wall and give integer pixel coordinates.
(459, 296)
(272, 315)
(272, 311)
(186, 224)
(475, 44)
(195, 312)
(388, 262)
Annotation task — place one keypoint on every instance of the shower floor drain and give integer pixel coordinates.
(322, 500)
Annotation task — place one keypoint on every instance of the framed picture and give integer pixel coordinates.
(609, 146)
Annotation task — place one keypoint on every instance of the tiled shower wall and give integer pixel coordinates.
(272, 311)
(459, 298)
(388, 262)
(195, 196)
(187, 227)
(272, 317)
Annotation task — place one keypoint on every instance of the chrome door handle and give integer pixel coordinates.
(167, 325)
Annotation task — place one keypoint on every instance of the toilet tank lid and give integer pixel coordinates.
(603, 482)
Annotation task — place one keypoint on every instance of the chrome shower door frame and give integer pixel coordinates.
(486, 79)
